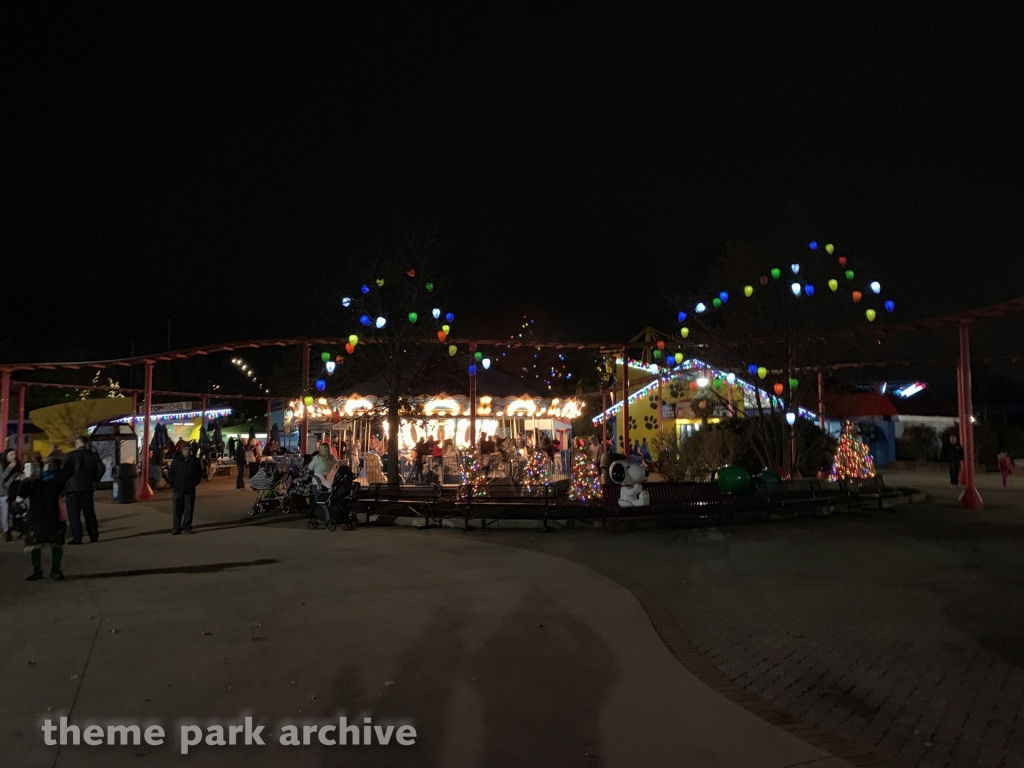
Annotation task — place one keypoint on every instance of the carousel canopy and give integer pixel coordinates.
(439, 387)
(428, 374)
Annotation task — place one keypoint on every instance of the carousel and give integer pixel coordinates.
(508, 413)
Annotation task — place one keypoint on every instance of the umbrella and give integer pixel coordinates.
(160, 437)
(273, 433)
(252, 431)
(204, 440)
(218, 440)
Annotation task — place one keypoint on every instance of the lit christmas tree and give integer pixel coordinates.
(473, 474)
(586, 479)
(853, 461)
(535, 474)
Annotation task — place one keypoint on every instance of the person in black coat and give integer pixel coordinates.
(954, 455)
(43, 524)
(240, 464)
(185, 474)
(82, 469)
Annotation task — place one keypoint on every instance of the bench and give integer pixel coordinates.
(497, 500)
(418, 499)
(698, 500)
(871, 489)
(799, 492)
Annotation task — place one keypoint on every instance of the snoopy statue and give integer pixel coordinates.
(631, 477)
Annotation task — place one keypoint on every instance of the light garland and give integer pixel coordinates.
(672, 372)
(216, 413)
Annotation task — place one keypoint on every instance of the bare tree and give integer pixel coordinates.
(785, 306)
(394, 304)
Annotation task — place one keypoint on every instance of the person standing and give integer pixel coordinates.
(185, 474)
(8, 473)
(253, 455)
(954, 455)
(240, 464)
(1003, 459)
(44, 524)
(82, 469)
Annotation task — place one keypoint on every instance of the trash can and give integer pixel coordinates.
(125, 476)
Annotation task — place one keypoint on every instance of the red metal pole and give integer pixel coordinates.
(959, 420)
(969, 497)
(472, 401)
(604, 426)
(625, 403)
(145, 492)
(304, 428)
(21, 419)
(5, 401)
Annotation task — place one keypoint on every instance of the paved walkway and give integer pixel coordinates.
(500, 656)
(901, 631)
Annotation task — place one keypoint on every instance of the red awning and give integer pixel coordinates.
(858, 405)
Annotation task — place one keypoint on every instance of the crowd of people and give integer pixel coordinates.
(41, 497)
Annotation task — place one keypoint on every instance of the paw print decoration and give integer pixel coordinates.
(632, 422)
(653, 402)
(650, 423)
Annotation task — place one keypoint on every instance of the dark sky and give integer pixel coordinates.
(165, 160)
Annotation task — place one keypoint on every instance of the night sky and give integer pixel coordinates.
(205, 162)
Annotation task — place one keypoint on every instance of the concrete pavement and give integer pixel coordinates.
(900, 632)
(499, 656)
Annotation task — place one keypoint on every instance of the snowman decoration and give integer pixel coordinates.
(631, 477)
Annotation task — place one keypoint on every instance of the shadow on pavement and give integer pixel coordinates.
(206, 568)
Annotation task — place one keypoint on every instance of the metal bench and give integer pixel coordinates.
(491, 502)
(699, 501)
(799, 492)
(869, 490)
(418, 499)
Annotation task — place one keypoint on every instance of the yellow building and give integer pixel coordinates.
(690, 394)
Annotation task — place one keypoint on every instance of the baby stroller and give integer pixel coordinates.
(271, 493)
(17, 515)
(334, 505)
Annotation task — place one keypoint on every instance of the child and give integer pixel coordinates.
(1005, 465)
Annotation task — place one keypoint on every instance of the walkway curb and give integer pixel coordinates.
(675, 640)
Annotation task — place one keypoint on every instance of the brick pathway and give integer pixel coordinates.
(903, 632)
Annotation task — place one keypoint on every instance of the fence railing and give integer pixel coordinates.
(448, 470)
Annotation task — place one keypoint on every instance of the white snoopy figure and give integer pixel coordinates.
(631, 477)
